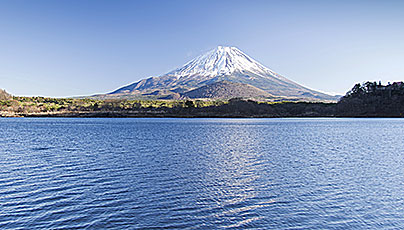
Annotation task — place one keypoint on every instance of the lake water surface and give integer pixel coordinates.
(201, 173)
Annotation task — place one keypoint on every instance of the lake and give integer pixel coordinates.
(59, 173)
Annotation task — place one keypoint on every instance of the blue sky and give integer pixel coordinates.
(80, 47)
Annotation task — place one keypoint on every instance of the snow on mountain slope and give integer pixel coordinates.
(221, 61)
(222, 64)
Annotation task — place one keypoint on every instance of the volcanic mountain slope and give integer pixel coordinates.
(220, 64)
(226, 90)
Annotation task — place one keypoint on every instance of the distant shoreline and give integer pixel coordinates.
(368, 100)
(117, 114)
(114, 114)
(51, 107)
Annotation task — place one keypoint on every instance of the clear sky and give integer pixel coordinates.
(80, 47)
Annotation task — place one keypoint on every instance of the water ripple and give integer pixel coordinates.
(201, 174)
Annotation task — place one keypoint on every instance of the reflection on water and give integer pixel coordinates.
(201, 173)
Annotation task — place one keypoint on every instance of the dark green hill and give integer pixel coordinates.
(373, 100)
(226, 90)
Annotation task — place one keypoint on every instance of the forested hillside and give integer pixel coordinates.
(373, 99)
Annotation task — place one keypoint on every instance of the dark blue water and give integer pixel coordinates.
(201, 173)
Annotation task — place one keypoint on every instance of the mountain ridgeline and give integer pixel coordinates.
(215, 70)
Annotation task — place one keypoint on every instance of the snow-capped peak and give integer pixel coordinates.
(223, 60)
(223, 63)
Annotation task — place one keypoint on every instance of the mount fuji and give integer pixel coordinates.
(239, 73)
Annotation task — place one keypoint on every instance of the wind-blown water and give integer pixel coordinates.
(201, 173)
